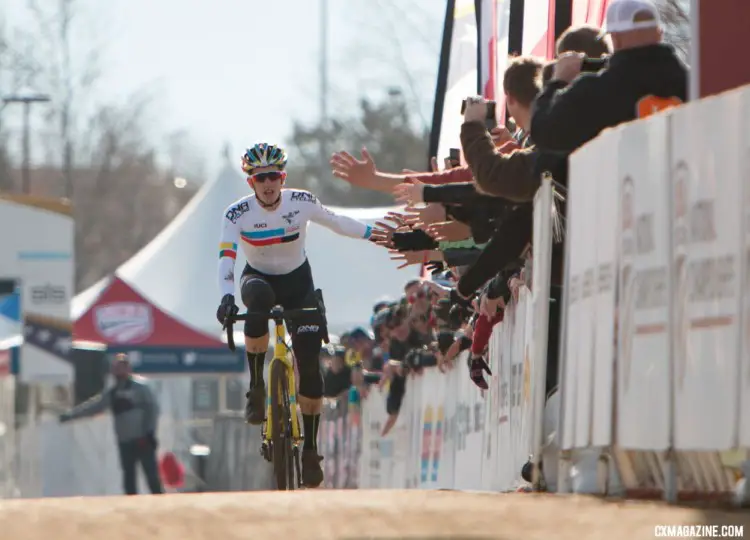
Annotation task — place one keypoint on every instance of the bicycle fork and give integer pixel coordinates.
(280, 355)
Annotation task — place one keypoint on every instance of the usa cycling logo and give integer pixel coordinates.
(124, 322)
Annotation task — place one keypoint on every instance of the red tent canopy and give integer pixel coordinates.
(122, 316)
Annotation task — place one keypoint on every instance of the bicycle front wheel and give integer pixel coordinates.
(283, 457)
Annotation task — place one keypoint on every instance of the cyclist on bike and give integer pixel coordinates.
(270, 225)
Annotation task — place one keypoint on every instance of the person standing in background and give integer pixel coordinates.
(135, 414)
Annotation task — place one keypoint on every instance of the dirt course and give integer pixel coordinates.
(350, 515)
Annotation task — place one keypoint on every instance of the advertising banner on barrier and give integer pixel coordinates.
(585, 301)
(744, 159)
(582, 178)
(644, 349)
(605, 305)
(449, 434)
(706, 250)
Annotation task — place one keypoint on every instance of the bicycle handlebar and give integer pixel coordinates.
(276, 313)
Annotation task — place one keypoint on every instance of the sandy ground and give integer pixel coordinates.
(352, 515)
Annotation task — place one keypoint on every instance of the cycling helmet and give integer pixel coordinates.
(263, 155)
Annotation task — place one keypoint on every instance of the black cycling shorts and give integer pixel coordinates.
(291, 291)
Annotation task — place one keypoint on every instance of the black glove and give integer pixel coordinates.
(227, 308)
(416, 240)
(435, 267)
(475, 372)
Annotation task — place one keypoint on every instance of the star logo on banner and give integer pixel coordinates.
(44, 336)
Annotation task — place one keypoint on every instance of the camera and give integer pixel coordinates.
(594, 65)
(490, 117)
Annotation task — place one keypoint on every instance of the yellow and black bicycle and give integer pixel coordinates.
(281, 434)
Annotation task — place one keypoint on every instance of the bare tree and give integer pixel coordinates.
(122, 193)
(16, 72)
(69, 77)
(123, 199)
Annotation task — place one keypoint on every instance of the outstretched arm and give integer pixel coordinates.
(343, 225)
(96, 405)
(362, 173)
(228, 251)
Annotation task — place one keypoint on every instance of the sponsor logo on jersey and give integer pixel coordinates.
(124, 322)
(292, 229)
(307, 328)
(260, 226)
(289, 217)
(303, 196)
(234, 213)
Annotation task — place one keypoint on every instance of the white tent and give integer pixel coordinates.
(177, 271)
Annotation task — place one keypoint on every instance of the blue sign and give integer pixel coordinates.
(10, 310)
(174, 361)
(10, 306)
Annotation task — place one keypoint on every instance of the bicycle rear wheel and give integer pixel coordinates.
(283, 457)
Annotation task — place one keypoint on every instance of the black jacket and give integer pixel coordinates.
(566, 117)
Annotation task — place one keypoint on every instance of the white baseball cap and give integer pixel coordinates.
(629, 15)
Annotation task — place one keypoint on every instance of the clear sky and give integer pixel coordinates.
(240, 71)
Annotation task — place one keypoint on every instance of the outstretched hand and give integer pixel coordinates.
(408, 258)
(410, 192)
(424, 216)
(449, 231)
(358, 172)
(382, 233)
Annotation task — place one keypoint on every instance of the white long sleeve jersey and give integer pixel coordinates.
(274, 242)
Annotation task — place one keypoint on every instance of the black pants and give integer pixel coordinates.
(292, 291)
(131, 453)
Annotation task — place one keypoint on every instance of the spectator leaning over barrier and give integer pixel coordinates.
(136, 415)
(365, 174)
(642, 75)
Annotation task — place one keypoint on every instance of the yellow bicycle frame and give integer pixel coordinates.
(280, 355)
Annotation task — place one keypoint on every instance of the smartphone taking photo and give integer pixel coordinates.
(454, 159)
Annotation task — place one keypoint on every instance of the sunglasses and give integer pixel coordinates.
(271, 176)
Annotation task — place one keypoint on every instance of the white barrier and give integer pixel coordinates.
(451, 435)
(669, 215)
(448, 435)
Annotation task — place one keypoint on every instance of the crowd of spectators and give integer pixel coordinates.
(470, 222)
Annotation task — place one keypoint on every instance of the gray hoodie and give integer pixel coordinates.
(133, 405)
